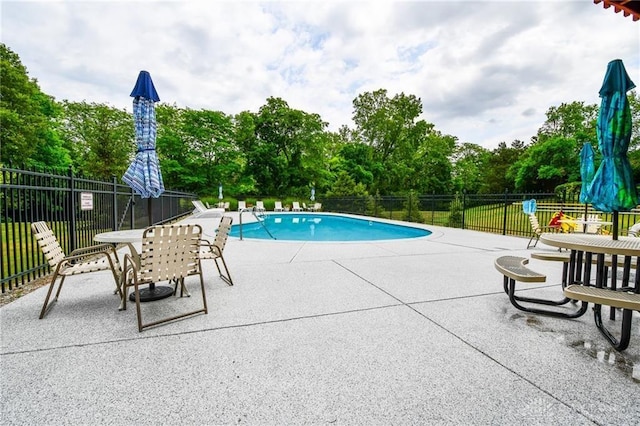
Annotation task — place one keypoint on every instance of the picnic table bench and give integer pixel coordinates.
(514, 269)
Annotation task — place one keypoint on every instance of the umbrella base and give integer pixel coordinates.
(150, 294)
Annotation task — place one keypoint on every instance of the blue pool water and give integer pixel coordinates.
(324, 227)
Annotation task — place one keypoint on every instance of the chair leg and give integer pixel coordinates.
(226, 278)
(46, 305)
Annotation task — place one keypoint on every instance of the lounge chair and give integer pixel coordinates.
(81, 261)
(214, 251)
(242, 205)
(537, 230)
(278, 207)
(169, 253)
(260, 207)
(316, 207)
(296, 207)
(634, 230)
(202, 210)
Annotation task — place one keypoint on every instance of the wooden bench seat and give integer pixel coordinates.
(513, 269)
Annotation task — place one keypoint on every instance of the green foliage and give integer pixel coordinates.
(27, 118)
(455, 212)
(100, 138)
(280, 151)
(412, 211)
(345, 186)
(548, 164)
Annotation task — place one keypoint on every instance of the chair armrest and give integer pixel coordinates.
(98, 248)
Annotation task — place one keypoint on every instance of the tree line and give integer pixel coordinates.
(280, 151)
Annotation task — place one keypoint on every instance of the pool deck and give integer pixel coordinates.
(370, 333)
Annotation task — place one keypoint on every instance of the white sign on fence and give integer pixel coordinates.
(86, 201)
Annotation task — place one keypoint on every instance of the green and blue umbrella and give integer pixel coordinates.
(143, 174)
(613, 188)
(587, 170)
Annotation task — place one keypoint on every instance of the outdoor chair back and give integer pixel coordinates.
(81, 261)
(169, 253)
(214, 251)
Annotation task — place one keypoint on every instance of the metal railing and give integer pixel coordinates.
(76, 208)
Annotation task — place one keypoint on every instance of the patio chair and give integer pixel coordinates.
(169, 253)
(537, 230)
(316, 207)
(295, 207)
(278, 207)
(634, 230)
(214, 251)
(95, 258)
(242, 205)
(260, 207)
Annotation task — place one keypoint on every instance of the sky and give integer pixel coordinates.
(485, 71)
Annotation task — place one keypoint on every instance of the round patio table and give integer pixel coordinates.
(130, 236)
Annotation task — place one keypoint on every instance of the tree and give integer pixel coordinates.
(27, 118)
(390, 128)
(286, 153)
(101, 138)
(499, 176)
(470, 163)
(547, 164)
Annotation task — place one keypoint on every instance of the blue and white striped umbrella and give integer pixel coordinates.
(144, 175)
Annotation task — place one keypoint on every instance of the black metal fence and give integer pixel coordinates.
(76, 208)
(495, 213)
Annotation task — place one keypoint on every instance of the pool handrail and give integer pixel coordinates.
(253, 211)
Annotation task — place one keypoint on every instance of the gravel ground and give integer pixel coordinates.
(10, 295)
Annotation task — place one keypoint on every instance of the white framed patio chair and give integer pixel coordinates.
(214, 250)
(260, 207)
(169, 253)
(242, 205)
(278, 206)
(95, 258)
(296, 206)
(536, 230)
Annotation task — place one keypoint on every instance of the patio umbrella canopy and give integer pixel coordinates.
(613, 188)
(587, 170)
(143, 174)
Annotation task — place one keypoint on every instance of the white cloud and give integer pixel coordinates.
(486, 71)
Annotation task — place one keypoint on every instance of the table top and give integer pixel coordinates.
(624, 246)
(125, 236)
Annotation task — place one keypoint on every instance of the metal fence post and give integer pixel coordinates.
(115, 202)
(504, 218)
(464, 205)
(72, 211)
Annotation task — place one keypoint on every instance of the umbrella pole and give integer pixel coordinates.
(615, 225)
(149, 211)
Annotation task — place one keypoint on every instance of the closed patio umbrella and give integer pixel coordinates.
(587, 170)
(613, 188)
(143, 174)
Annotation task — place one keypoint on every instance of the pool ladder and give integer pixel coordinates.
(260, 220)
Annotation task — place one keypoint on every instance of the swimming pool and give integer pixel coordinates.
(323, 227)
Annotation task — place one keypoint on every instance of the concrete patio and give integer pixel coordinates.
(377, 333)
